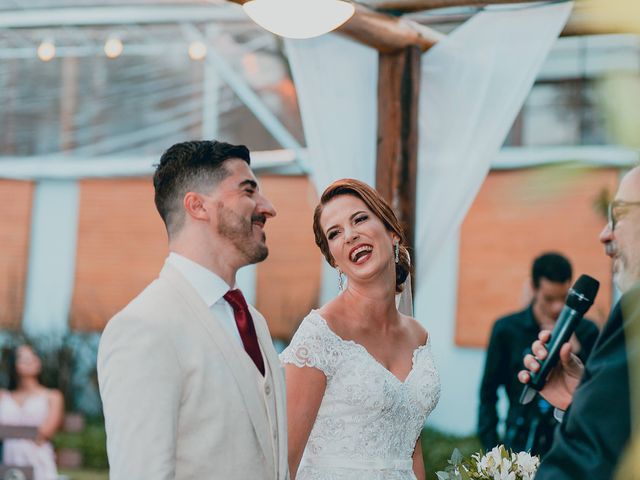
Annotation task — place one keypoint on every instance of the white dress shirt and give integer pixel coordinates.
(211, 288)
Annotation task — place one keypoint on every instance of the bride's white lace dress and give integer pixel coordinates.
(369, 420)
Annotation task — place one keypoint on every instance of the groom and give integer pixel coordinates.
(191, 386)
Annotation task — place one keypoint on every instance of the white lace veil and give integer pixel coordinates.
(404, 299)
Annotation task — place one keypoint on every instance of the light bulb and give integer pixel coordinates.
(197, 50)
(46, 51)
(113, 47)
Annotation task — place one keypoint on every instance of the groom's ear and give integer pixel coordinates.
(194, 206)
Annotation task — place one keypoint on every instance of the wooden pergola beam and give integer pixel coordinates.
(406, 6)
(386, 33)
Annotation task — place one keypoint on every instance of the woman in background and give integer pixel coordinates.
(360, 377)
(28, 403)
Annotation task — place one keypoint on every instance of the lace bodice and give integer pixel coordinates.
(369, 420)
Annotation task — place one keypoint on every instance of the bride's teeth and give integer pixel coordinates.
(364, 248)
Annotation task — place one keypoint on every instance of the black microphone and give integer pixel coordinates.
(579, 300)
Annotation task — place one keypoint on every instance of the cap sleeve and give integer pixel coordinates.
(313, 345)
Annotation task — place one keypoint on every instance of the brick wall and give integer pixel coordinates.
(121, 246)
(15, 219)
(289, 280)
(122, 243)
(517, 215)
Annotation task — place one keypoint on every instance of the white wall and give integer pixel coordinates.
(460, 368)
(52, 255)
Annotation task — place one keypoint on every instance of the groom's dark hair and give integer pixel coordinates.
(187, 167)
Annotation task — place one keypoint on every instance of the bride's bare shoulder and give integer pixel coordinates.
(331, 310)
(416, 329)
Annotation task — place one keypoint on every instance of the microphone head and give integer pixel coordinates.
(583, 294)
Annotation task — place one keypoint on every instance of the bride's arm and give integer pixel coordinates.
(418, 461)
(305, 389)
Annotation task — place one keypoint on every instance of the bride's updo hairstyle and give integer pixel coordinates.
(378, 206)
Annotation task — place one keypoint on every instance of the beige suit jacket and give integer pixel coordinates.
(180, 396)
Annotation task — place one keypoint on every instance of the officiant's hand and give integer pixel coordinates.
(564, 378)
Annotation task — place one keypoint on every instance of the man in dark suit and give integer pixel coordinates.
(596, 427)
(527, 427)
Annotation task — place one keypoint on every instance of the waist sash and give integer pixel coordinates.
(359, 464)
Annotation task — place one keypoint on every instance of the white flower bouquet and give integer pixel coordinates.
(498, 464)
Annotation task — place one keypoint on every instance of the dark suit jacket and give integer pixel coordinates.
(597, 425)
(511, 339)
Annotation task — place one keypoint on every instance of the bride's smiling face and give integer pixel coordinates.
(359, 243)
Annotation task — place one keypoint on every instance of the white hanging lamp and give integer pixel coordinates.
(299, 18)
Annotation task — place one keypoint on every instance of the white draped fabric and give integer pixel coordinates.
(336, 81)
(473, 84)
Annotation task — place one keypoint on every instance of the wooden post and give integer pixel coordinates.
(397, 163)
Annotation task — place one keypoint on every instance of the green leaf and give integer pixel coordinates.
(464, 474)
(443, 475)
(456, 457)
(503, 452)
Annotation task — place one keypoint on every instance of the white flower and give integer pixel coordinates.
(492, 461)
(483, 464)
(505, 472)
(505, 476)
(527, 465)
(496, 453)
(499, 464)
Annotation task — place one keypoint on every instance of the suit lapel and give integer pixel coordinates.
(240, 365)
(271, 357)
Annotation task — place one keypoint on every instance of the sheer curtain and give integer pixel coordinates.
(474, 82)
(337, 81)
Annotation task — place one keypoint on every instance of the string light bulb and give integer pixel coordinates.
(113, 47)
(197, 50)
(46, 50)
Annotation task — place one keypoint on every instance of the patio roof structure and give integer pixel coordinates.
(153, 94)
(82, 105)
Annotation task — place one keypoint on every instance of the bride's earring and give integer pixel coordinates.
(340, 280)
(396, 249)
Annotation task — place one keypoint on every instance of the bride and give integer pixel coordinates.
(360, 377)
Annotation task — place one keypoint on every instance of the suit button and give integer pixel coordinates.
(267, 389)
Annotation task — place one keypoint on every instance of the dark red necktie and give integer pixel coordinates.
(245, 326)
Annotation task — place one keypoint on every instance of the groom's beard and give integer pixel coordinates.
(239, 230)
